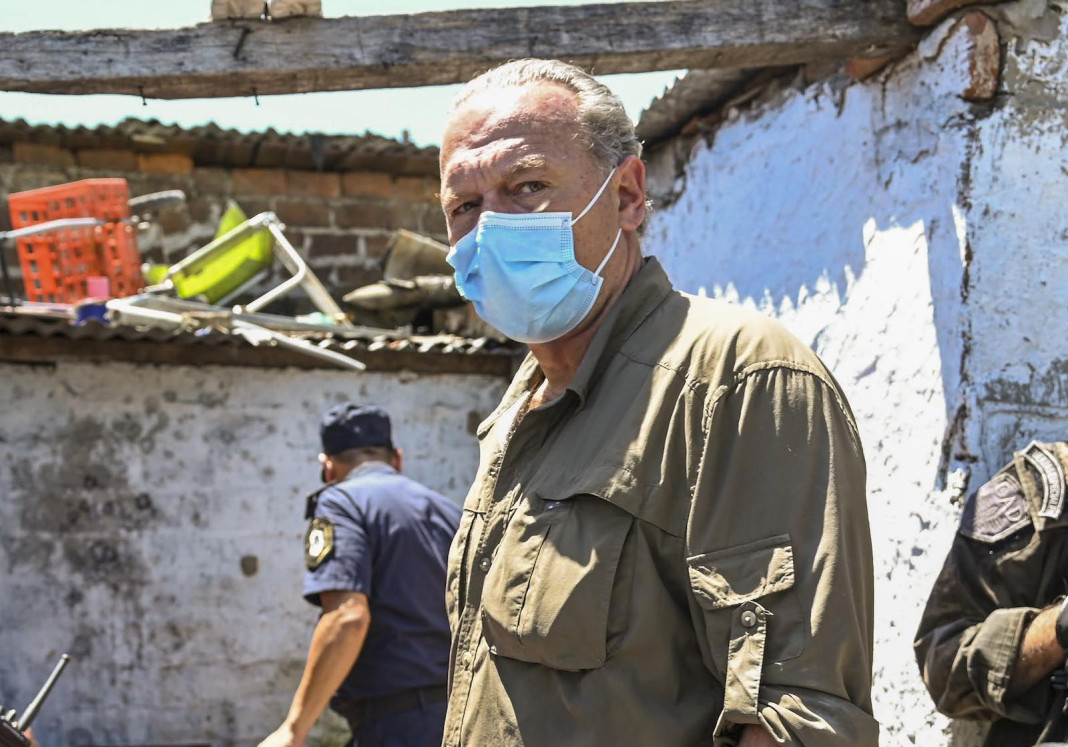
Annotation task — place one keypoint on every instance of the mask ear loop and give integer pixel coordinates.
(596, 196)
(610, 252)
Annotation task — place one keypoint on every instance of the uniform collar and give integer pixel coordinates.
(646, 291)
(370, 468)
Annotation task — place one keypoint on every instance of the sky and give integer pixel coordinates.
(419, 112)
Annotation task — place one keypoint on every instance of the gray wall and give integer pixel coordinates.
(152, 524)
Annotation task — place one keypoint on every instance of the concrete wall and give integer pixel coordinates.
(917, 242)
(152, 526)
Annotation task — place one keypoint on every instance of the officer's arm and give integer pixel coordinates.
(972, 634)
(335, 646)
(1040, 654)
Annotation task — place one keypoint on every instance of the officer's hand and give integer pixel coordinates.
(284, 736)
(31, 738)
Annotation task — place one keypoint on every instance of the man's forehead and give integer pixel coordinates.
(504, 119)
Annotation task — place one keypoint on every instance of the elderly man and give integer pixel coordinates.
(667, 539)
(991, 644)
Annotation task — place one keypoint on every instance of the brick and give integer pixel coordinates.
(259, 181)
(411, 188)
(108, 159)
(165, 163)
(333, 245)
(222, 10)
(303, 213)
(253, 206)
(367, 184)
(351, 276)
(173, 220)
(202, 210)
(434, 221)
(863, 68)
(363, 215)
(376, 247)
(212, 181)
(291, 8)
(930, 12)
(35, 179)
(407, 215)
(313, 183)
(977, 38)
(43, 155)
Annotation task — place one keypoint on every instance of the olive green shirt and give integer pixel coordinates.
(676, 546)
(1008, 561)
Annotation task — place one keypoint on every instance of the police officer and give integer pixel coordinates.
(991, 643)
(376, 552)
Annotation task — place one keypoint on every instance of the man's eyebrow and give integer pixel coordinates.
(523, 163)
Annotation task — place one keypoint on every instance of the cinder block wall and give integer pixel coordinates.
(340, 220)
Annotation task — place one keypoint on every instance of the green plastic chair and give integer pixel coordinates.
(215, 277)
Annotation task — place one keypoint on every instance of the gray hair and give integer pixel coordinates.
(603, 121)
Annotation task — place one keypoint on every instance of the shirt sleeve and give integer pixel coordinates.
(347, 567)
(780, 564)
(972, 628)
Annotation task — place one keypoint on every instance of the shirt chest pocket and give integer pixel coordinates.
(551, 589)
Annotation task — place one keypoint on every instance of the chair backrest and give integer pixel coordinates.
(219, 275)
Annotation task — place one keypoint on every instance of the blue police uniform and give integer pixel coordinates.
(387, 536)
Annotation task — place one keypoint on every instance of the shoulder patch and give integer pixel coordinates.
(1049, 467)
(996, 511)
(318, 542)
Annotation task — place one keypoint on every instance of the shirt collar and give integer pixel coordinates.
(646, 291)
(643, 294)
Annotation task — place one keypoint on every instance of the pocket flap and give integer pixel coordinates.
(730, 577)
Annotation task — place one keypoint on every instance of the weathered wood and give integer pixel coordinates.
(237, 58)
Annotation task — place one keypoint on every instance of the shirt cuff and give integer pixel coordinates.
(996, 648)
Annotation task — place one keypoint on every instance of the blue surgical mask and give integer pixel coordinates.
(520, 272)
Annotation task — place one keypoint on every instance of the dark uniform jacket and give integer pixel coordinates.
(1008, 561)
(386, 536)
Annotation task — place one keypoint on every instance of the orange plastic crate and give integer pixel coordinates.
(57, 264)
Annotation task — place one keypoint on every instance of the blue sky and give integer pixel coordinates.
(387, 112)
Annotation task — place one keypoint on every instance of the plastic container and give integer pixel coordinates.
(57, 265)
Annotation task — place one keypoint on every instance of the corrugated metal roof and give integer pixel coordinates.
(211, 145)
(441, 353)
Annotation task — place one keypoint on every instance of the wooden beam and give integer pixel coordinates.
(237, 58)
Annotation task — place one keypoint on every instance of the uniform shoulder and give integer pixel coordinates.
(719, 342)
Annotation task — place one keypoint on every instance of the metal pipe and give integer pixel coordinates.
(30, 713)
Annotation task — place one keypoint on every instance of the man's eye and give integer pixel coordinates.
(464, 208)
(527, 188)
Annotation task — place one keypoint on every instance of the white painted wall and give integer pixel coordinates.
(130, 496)
(918, 243)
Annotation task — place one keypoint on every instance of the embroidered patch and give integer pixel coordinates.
(1049, 467)
(997, 510)
(318, 542)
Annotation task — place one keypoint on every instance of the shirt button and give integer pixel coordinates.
(465, 659)
(484, 564)
(749, 619)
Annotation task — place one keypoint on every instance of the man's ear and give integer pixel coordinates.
(398, 460)
(631, 193)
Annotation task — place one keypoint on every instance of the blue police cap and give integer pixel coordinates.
(351, 426)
